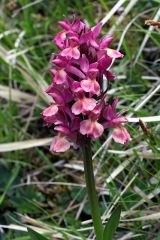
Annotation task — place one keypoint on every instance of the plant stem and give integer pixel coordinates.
(90, 185)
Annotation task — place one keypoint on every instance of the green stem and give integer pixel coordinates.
(90, 184)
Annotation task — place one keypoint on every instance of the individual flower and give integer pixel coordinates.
(83, 105)
(59, 144)
(115, 120)
(80, 107)
(91, 128)
(121, 135)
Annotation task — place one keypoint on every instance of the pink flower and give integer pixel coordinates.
(113, 53)
(60, 39)
(91, 128)
(59, 144)
(90, 86)
(79, 106)
(104, 43)
(60, 76)
(83, 105)
(121, 135)
(71, 52)
(115, 120)
(50, 111)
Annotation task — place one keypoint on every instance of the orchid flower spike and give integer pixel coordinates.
(79, 106)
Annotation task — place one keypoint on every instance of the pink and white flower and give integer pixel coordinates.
(83, 105)
(91, 128)
(121, 135)
(59, 144)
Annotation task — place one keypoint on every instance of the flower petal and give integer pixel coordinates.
(62, 129)
(91, 86)
(59, 39)
(91, 128)
(50, 111)
(55, 94)
(96, 30)
(75, 71)
(109, 113)
(93, 73)
(59, 61)
(77, 107)
(105, 42)
(76, 87)
(110, 76)
(65, 25)
(97, 130)
(113, 53)
(75, 53)
(60, 77)
(96, 88)
(86, 85)
(85, 127)
(120, 119)
(71, 52)
(59, 144)
(121, 135)
(84, 63)
(94, 43)
(88, 104)
(104, 62)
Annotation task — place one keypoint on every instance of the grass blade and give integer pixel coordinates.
(112, 224)
(35, 236)
(9, 183)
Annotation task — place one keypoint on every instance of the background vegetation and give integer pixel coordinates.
(45, 191)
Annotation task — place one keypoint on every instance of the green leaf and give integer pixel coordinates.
(112, 224)
(35, 236)
(158, 1)
(14, 174)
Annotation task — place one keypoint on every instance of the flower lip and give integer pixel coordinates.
(83, 105)
(59, 144)
(91, 128)
(60, 39)
(50, 111)
(121, 135)
(71, 52)
(60, 76)
(90, 86)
